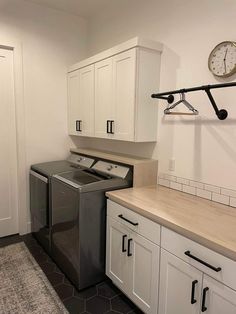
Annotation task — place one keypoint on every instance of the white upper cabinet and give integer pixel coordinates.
(81, 102)
(103, 98)
(124, 78)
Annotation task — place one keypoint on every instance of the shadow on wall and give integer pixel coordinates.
(137, 149)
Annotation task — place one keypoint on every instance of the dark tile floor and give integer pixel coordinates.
(99, 299)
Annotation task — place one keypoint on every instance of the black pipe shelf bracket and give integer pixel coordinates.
(221, 113)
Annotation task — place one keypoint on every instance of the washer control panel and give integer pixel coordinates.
(112, 169)
(80, 160)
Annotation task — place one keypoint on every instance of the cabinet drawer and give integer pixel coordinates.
(134, 221)
(178, 245)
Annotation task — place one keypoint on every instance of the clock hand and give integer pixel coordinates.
(225, 59)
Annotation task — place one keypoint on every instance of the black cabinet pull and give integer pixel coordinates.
(204, 308)
(123, 243)
(108, 126)
(188, 253)
(193, 300)
(129, 253)
(78, 125)
(129, 221)
(111, 127)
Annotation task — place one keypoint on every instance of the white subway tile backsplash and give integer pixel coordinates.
(196, 184)
(204, 194)
(207, 191)
(232, 201)
(164, 182)
(183, 181)
(189, 189)
(223, 199)
(176, 186)
(231, 193)
(212, 188)
(170, 177)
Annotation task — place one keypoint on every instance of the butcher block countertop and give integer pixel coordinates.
(208, 223)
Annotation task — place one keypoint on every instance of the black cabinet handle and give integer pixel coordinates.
(193, 300)
(129, 253)
(108, 126)
(204, 308)
(129, 221)
(78, 125)
(123, 243)
(111, 127)
(188, 253)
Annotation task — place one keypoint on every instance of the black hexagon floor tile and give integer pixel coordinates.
(97, 305)
(122, 304)
(75, 305)
(108, 290)
(64, 291)
(87, 293)
(55, 278)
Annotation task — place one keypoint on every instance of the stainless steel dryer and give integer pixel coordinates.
(40, 193)
(79, 219)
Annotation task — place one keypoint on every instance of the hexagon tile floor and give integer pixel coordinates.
(100, 299)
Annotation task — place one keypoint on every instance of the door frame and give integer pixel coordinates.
(23, 208)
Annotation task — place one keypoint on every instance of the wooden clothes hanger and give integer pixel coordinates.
(182, 100)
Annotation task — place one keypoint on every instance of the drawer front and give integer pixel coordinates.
(178, 245)
(143, 226)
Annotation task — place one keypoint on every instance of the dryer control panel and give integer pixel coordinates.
(111, 169)
(80, 160)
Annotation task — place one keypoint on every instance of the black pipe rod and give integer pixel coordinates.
(193, 89)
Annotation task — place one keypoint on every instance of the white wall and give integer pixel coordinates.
(51, 40)
(204, 149)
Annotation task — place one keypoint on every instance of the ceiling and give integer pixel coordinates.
(84, 8)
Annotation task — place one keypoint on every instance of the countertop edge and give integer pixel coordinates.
(220, 249)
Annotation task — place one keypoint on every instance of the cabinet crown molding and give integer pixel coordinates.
(129, 44)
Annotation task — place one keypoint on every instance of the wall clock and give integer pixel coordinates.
(222, 59)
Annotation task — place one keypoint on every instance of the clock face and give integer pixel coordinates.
(222, 59)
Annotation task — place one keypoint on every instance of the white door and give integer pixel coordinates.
(73, 102)
(144, 273)
(8, 155)
(124, 76)
(219, 299)
(116, 253)
(180, 286)
(86, 101)
(103, 99)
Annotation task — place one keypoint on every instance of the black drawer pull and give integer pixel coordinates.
(123, 243)
(108, 122)
(129, 253)
(204, 308)
(193, 300)
(188, 253)
(78, 125)
(111, 127)
(129, 221)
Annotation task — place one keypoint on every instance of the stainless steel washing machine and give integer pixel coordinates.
(79, 219)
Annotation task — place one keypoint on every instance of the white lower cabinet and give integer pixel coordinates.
(180, 286)
(219, 299)
(132, 264)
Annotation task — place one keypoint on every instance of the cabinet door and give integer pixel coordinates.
(180, 286)
(124, 82)
(143, 273)
(103, 98)
(116, 250)
(81, 102)
(73, 101)
(219, 299)
(86, 101)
